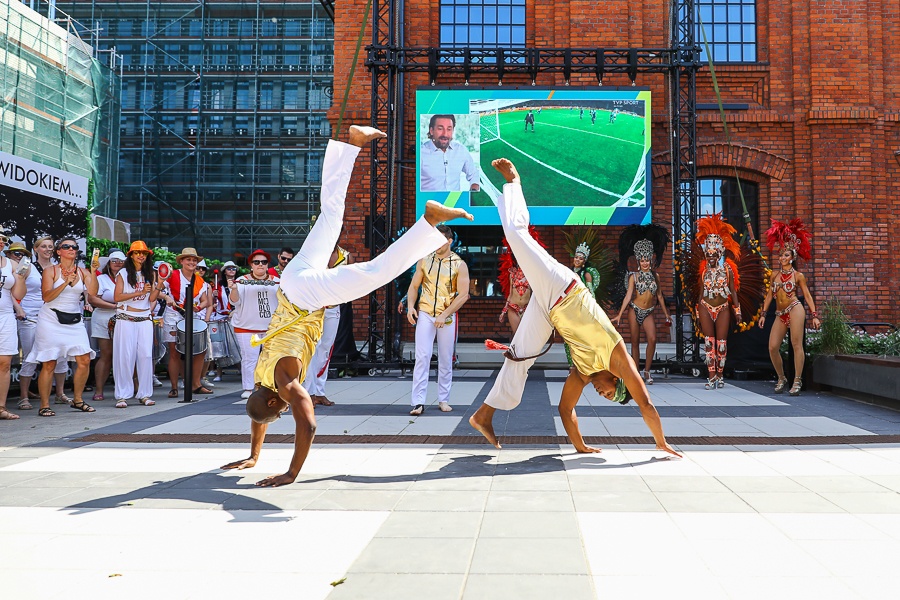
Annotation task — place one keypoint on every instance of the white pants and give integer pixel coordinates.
(308, 282)
(133, 349)
(249, 358)
(317, 373)
(548, 280)
(27, 329)
(446, 341)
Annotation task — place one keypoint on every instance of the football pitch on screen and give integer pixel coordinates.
(567, 160)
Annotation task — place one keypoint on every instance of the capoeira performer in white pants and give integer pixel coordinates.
(317, 374)
(307, 286)
(562, 302)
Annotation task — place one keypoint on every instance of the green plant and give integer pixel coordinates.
(836, 336)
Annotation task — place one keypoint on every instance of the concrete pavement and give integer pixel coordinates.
(777, 497)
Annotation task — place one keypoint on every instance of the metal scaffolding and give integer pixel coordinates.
(388, 59)
(224, 117)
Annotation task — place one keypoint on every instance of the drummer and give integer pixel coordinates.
(174, 293)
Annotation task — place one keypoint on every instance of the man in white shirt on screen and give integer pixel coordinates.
(443, 159)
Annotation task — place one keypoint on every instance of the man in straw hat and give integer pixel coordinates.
(307, 286)
(561, 301)
(174, 295)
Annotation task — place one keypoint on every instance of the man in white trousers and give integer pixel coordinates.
(307, 286)
(440, 276)
(317, 374)
(254, 297)
(562, 302)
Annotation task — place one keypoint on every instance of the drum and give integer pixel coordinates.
(200, 340)
(218, 343)
(234, 350)
(159, 346)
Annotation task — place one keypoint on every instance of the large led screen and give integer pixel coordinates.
(583, 155)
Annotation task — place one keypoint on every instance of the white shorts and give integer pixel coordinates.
(100, 322)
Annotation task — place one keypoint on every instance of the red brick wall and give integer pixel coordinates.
(819, 137)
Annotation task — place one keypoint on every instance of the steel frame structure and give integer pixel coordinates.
(388, 59)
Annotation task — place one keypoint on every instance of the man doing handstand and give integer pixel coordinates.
(307, 286)
(559, 300)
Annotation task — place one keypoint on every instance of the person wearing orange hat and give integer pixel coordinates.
(137, 287)
(175, 288)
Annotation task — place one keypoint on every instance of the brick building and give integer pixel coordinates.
(812, 97)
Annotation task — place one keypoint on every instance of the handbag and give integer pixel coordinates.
(67, 318)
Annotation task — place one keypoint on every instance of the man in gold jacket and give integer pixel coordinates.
(307, 286)
(560, 301)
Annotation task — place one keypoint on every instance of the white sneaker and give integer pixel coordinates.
(246, 394)
(206, 383)
(211, 374)
(217, 378)
(156, 381)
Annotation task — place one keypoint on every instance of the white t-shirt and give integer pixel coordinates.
(257, 300)
(106, 287)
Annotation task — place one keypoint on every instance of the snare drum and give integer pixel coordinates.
(159, 345)
(200, 341)
(218, 342)
(233, 356)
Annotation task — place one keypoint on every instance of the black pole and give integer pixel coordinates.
(189, 340)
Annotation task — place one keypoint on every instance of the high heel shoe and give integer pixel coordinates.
(795, 389)
(782, 383)
(710, 384)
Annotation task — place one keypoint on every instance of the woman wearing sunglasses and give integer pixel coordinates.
(44, 250)
(12, 288)
(60, 334)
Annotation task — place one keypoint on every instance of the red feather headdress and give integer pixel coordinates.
(713, 225)
(792, 235)
(508, 261)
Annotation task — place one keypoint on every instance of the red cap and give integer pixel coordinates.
(258, 252)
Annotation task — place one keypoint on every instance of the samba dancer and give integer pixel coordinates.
(791, 241)
(307, 286)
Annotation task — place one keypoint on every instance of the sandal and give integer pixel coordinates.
(97, 397)
(203, 390)
(648, 379)
(121, 404)
(5, 415)
(795, 389)
(147, 401)
(782, 383)
(24, 404)
(62, 399)
(710, 384)
(417, 410)
(173, 393)
(82, 406)
(46, 412)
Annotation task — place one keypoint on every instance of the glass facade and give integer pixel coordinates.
(223, 118)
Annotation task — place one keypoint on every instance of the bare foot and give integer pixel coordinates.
(361, 135)
(588, 450)
(507, 169)
(436, 213)
(482, 421)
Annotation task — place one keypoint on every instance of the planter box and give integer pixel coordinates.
(877, 378)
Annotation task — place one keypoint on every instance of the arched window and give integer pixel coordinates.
(722, 195)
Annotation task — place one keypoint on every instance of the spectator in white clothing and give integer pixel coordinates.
(12, 289)
(104, 309)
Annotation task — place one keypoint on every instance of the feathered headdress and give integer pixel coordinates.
(583, 240)
(507, 260)
(792, 235)
(643, 241)
(716, 235)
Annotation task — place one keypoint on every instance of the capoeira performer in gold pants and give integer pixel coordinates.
(307, 286)
(559, 300)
